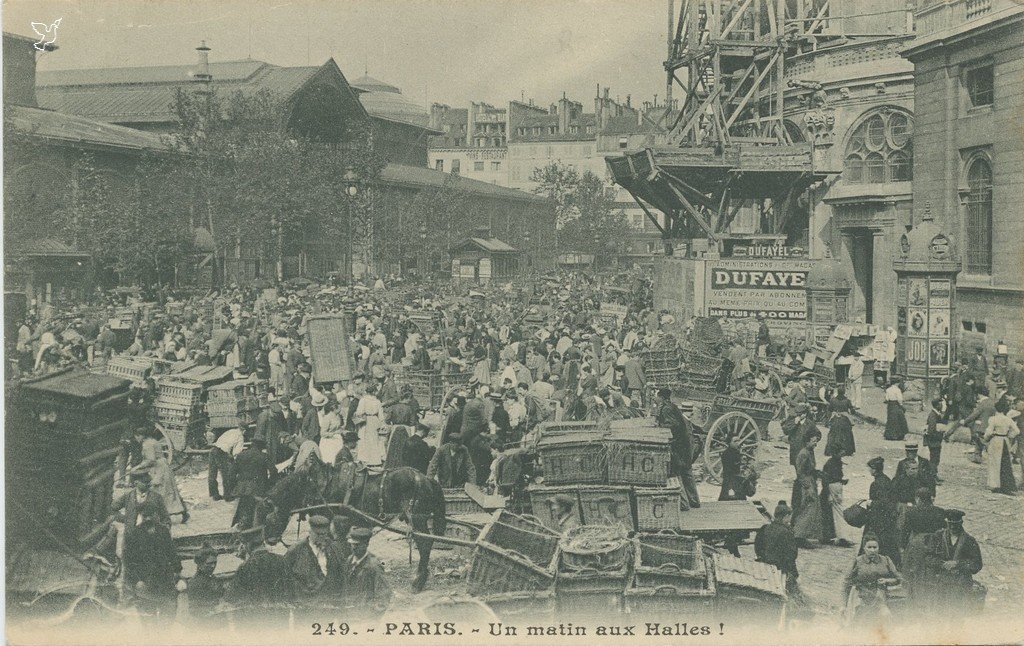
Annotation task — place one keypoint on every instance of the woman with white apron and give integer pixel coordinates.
(330, 432)
(369, 420)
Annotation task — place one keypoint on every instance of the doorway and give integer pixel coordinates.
(861, 247)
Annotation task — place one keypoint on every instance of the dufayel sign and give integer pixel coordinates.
(744, 288)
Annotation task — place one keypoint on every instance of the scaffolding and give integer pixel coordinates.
(728, 148)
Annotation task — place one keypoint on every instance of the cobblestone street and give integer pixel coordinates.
(995, 520)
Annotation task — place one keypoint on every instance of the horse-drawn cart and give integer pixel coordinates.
(717, 419)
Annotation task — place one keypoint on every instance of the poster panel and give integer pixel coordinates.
(918, 322)
(775, 288)
(939, 293)
(918, 294)
(938, 323)
(938, 354)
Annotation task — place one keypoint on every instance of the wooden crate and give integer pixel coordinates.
(658, 509)
(570, 462)
(523, 537)
(607, 506)
(457, 501)
(667, 602)
(544, 501)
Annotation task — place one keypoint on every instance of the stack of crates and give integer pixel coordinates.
(235, 403)
(179, 411)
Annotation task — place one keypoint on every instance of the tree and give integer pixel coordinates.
(587, 221)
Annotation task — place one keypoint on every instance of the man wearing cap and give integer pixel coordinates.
(366, 586)
(417, 453)
(317, 568)
(452, 465)
(347, 453)
(669, 416)
(933, 436)
(958, 559)
(310, 429)
(204, 589)
(253, 470)
(912, 473)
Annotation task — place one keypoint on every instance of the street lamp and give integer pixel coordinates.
(351, 181)
(526, 240)
(423, 250)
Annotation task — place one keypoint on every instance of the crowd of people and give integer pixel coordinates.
(524, 352)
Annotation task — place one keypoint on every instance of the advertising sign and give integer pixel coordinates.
(739, 288)
(939, 293)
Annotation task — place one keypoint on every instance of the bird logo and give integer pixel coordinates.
(47, 33)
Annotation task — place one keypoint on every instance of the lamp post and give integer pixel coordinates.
(351, 181)
(529, 263)
(423, 250)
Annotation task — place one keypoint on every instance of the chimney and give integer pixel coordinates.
(203, 70)
(564, 110)
(628, 104)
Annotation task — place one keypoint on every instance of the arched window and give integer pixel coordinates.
(979, 217)
(880, 150)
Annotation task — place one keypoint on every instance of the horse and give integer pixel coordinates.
(403, 492)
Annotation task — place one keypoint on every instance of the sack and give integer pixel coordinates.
(856, 515)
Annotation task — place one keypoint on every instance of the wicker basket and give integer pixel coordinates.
(638, 463)
(590, 581)
(494, 570)
(667, 602)
(658, 509)
(601, 548)
(179, 390)
(545, 502)
(607, 506)
(523, 536)
(574, 462)
(670, 559)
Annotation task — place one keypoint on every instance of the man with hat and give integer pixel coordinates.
(796, 429)
(912, 473)
(310, 428)
(977, 422)
(417, 453)
(130, 504)
(221, 460)
(317, 568)
(669, 416)
(452, 465)
(299, 385)
(366, 586)
(272, 426)
(958, 559)
(933, 436)
(204, 589)
(253, 470)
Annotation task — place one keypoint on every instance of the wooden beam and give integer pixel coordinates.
(697, 217)
(735, 19)
(750, 92)
(650, 216)
(696, 195)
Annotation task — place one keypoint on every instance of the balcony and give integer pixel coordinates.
(937, 15)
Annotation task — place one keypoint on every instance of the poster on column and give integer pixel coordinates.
(775, 288)
(918, 292)
(938, 323)
(918, 323)
(939, 293)
(938, 354)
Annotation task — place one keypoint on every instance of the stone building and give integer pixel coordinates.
(850, 93)
(474, 143)
(968, 58)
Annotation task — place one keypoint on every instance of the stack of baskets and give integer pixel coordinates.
(670, 573)
(179, 411)
(661, 367)
(513, 554)
(613, 476)
(234, 403)
(592, 569)
(134, 369)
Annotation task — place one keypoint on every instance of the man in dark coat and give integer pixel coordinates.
(453, 425)
(262, 581)
(978, 366)
(253, 470)
(347, 453)
(883, 512)
(933, 436)
(912, 473)
(130, 504)
(151, 564)
(299, 384)
(366, 587)
(317, 568)
(797, 429)
(681, 459)
(204, 589)
(404, 411)
(775, 544)
(957, 559)
(271, 425)
(452, 466)
(417, 453)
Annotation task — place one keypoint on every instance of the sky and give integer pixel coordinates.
(446, 51)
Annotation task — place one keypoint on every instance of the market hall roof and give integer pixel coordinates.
(73, 129)
(386, 101)
(419, 177)
(146, 94)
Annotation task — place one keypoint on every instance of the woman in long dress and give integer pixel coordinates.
(369, 420)
(807, 520)
(330, 432)
(895, 414)
(1001, 431)
(162, 477)
(865, 586)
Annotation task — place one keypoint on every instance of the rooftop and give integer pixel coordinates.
(56, 126)
(417, 177)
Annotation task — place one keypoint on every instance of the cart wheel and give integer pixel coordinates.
(449, 396)
(166, 446)
(730, 423)
(776, 387)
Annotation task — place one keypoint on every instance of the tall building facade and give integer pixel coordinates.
(473, 143)
(968, 59)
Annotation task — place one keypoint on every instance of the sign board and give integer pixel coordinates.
(456, 272)
(768, 251)
(740, 288)
(485, 268)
